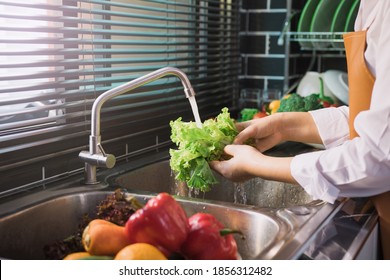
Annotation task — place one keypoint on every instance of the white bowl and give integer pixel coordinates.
(309, 84)
(333, 81)
(337, 83)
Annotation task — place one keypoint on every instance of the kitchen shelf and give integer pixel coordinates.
(317, 45)
(322, 41)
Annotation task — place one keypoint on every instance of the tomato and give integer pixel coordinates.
(259, 115)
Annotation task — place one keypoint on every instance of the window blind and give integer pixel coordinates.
(57, 56)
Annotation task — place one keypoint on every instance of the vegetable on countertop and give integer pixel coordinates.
(247, 114)
(103, 238)
(260, 115)
(325, 101)
(209, 240)
(297, 103)
(162, 222)
(273, 106)
(197, 146)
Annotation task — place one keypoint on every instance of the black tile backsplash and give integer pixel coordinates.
(263, 59)
(337, 63)
(267, 21)
(266, 66)
(251, 83)
(255, 4)
(274, 48)
(275, 84)
(278, 4)
(250, 44)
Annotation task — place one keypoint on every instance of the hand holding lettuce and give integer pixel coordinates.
(198, 146)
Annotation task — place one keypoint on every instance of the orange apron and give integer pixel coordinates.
(361, 82)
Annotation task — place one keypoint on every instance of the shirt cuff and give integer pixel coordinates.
(332, 125)
(304, 170)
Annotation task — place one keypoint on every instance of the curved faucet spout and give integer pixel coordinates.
(148, 78)
(96, 156)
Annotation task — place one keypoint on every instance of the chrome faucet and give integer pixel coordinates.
(96, 156)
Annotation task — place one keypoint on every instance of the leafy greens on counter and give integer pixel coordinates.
(198, 146)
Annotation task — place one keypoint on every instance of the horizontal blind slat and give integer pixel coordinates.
(73, 20)
(109, 70)
(71, 9)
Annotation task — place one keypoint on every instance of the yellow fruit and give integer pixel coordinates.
(274, 106)
(140, 251)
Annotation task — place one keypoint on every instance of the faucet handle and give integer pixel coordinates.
(99, 160)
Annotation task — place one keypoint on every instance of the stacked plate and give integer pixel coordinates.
(322, 18)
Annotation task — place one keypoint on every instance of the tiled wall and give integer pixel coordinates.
(264, 62)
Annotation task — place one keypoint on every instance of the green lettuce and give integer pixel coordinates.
(197, 146)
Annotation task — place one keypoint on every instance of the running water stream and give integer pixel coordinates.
(195, 111)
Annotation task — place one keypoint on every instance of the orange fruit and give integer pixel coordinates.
(140, 251)
(77, 256)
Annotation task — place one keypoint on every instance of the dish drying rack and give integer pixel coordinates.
(327, 39)
(329, 44)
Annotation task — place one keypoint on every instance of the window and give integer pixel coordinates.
(19, 79)
(57, 56)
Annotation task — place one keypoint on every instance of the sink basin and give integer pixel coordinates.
(25, 232)
(158, 177)
(278, 220)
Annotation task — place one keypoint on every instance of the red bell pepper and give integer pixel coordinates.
(209, 240)
(162, 222)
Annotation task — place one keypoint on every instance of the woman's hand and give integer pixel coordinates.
(271, 130)
(240, 166)
(247, 162)
(264, 132)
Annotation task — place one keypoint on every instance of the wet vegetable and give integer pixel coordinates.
(197, 146)
(116, 208)
(162, 222)
(209, 240)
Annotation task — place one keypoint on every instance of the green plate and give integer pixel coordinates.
(322, 21)
(350, 23)
(305, 21)
(340, 19)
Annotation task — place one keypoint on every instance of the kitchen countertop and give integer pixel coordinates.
(346, 234)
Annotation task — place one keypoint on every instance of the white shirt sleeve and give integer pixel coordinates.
(332, 124)
(358, 167)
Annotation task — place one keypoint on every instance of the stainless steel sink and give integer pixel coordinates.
(158, 177)
(278, 220)
(25, 232)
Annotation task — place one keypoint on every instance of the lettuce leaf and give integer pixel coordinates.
(198, 146)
